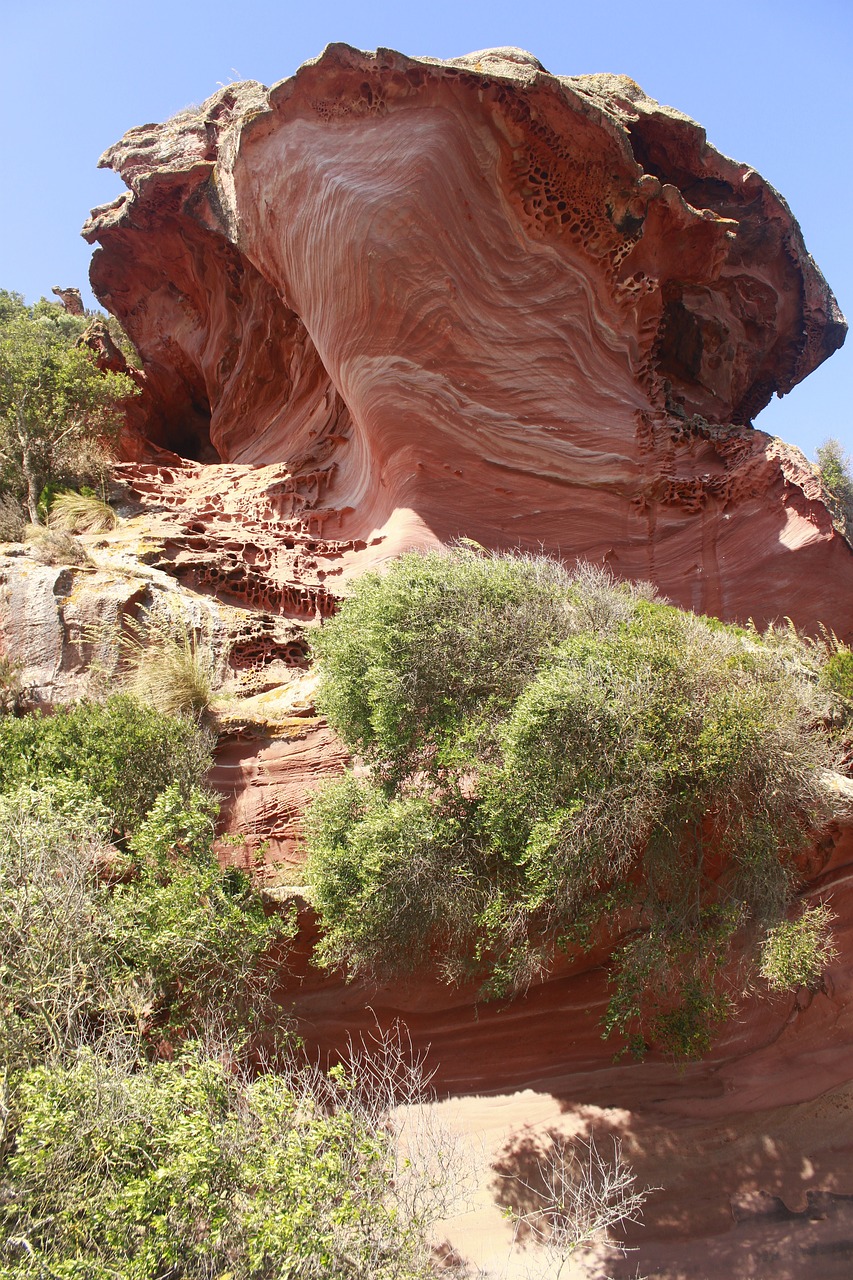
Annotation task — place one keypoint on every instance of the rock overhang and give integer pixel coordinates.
(418, 273)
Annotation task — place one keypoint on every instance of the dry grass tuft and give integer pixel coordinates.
(171, 667)
(81, 513)
(50, 546)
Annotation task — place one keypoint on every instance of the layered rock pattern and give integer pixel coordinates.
(473, 298)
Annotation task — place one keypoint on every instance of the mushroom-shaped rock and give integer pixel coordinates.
(469, 297)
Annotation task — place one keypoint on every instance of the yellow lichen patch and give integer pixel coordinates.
(284, 711)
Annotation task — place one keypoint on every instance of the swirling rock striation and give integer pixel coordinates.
(471, 297)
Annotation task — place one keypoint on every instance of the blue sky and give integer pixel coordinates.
(772, 82)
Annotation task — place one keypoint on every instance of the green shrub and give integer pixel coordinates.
(553, 765)
(434, 651)
(125, 753)
(200, 936)
(837, 474)
(57, 965)
(796, 952)
(181, 1169)
(393, 873)
(96, 947)
(837, 673)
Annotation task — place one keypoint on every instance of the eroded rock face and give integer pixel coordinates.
(473, 298)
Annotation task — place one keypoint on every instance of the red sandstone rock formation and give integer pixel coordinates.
(470, 297)
(393, 300)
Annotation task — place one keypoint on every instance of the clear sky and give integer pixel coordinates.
(771, 81)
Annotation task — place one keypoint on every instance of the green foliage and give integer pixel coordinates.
(393, 872)
(95, 947)
(58, 951)
(200, 936)
(836, 470)
(796, 952)
(837, 673)
(54, 401)
(10, 685)
(179, 1168)
(435, 651)
(551, 766)
(124, 753)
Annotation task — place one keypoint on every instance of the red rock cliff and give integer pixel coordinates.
(392, 300)
(471, 297)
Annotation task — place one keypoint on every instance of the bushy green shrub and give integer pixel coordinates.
(393, 874)
(97, 946)
(125, 753)
(796, 952)
(551, 766)
(57, 965)
(838, 672)
(435, 651)
(209, 953)
(181, 1169)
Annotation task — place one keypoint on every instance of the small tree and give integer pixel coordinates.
(53, 398)
(836, 470)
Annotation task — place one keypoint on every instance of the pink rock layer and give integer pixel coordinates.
(473, 298)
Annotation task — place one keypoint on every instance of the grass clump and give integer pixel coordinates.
(552, 759)
(169, 665)
(175, 674)
(81, 513)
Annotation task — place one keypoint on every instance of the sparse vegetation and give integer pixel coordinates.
(167, 663)
(11, 688)
(12, 519)
(572, 1197)
(554, 759)
(54, 546)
